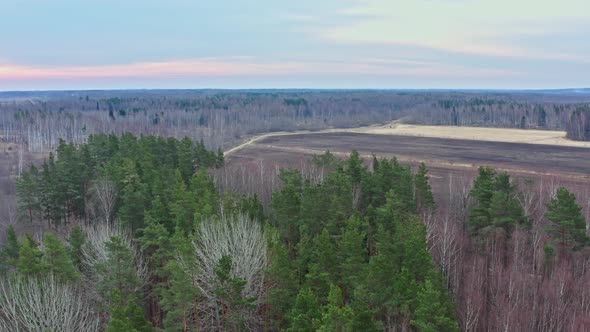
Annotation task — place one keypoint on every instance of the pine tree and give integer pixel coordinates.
(11, 249)
(482, 192)
(496, 204)
(229, 296)
(336, 317)
(182, 207)
(29, 258)
(76, 241)
(505, 211)
(126, 317)
(186, 159)
(286, 206)
(432, 314)
(204, 195)
(178, 299)
(118, 271)
(57, 260)
(568, 226)
(353, 254)
(423, 191)
(28, 195)
(305, 315)
(281, 296)
(133, 201)
(321, 255)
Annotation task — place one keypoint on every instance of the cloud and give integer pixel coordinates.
(249, 67)
(206, 67)
(491, 28)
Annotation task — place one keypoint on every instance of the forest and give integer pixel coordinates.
(136, 237)
(151, 245)
(221, 118)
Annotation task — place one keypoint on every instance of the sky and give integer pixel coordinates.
(368, 44)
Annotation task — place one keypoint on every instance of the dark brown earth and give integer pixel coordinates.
(517, 156)
(452, 163)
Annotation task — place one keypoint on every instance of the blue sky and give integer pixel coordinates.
(102, 44)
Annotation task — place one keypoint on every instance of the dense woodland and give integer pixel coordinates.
(151, 245)
(221, 118)
(137, 238)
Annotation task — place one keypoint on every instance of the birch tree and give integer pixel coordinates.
(44, 304)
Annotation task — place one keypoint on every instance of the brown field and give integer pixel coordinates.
(449, 160)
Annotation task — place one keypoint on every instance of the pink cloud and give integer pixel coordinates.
(244, 67)
(207, 67)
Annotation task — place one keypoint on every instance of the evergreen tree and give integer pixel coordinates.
(11, 249)
(285, 207)
(321, 263)
(229, 296)
(204, 194)
(496, 204)
(118, 271)
(423, 191)
(57, 260)
(353, 254)
(305, 315)
(186, 159)
(126, 317)
(336, 317)
(182, 207)
(281, 275)
(178, 299)
(76, 241)
(30, 258)
(133, 200)
(568, 226)
(482, 192)
(28, 195)
(432, 314)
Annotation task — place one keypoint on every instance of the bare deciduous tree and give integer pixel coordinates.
(30, 304)
(103, 198)
(94, 252)
(242, 240)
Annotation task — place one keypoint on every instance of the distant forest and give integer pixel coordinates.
(221, 118)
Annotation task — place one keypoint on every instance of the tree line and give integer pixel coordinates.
(222, 118)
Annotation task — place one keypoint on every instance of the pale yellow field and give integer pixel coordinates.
(476, 133)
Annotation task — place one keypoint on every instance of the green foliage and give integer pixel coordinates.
(11, 249)
(126, 317)
(30, 258)
(423, 191)
(336, 316)
(356, 249)
(178, 298)
(432, 313)
(229, 295)
(76, 241)
(28, 195)
(345, 254)
(118, 272)
(305, 315)
(281, 273)
(57, 260)
(496, 203)
(140, 168)
(568, 226)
